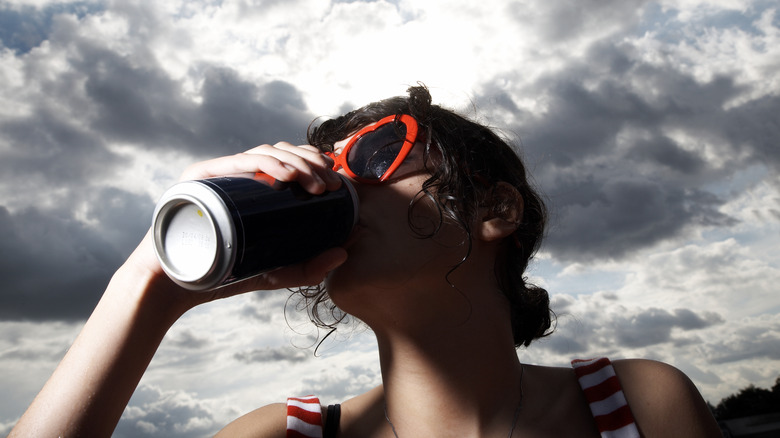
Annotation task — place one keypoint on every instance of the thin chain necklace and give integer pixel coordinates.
(514, 418)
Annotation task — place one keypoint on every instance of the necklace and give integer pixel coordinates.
(514, 418)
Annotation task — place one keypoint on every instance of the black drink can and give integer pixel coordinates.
(212, 232)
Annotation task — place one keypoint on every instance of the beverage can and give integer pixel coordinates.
(212, 232)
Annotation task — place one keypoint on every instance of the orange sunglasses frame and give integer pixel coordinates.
(340, 160)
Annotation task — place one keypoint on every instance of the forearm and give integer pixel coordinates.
(90, 388)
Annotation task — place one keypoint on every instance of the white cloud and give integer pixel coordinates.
(710, 308)
(29, 352)
(156, 412)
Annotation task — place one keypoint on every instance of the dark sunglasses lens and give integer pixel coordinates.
(374, 152)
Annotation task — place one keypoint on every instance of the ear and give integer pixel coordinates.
(501, 213)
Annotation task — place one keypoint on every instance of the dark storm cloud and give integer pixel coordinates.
(142, 105)
(51, 267)
(48, 144)
(629, 328)
(755, 127)
(602, 154)
(120, 217)
(654, 326)
(133, 100)
(55, 266)
(239, 114)
(664, 152)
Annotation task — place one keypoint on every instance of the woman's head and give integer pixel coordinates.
(471, 173)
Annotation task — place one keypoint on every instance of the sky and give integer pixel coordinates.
(651, 127)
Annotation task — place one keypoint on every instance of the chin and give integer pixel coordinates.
(352, 284)
(342, 292)
(343, 279)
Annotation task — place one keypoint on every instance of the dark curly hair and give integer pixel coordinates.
(466, 161)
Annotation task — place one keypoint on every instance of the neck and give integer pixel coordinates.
(446, 349)
(466, 378)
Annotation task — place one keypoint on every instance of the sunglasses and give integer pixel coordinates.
(376, 151)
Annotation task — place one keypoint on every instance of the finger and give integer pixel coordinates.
(240, 164)
(284, 145)
(309, 273)
(283, 161)
(280, 164)
(307, 159)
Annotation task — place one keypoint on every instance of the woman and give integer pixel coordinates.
(448, 224)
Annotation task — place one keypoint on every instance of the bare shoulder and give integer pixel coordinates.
(267, 422)
(664, 401)
(363, 414)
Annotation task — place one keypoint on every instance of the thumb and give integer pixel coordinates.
(316, 269)
(308, 273)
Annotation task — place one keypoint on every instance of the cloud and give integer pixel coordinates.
(758, 340)
(709, 308)
(71, 224)
(341, 384)
(188, 340)
(626, 151)
(53, 268)
(133, 99)
(153, 411)
(30, 352)
(720, 352)
(567, 21)
(654, 326)
(24, 27)
(48, 147)
(55, 265)
(288, 354)
(601, 322)
(727, 276)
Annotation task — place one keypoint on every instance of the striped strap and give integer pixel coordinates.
(304, 417)
(605, 396)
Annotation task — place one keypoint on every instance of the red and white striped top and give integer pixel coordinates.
(304, 417)
(605, 396)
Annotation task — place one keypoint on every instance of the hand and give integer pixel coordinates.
(284, 162)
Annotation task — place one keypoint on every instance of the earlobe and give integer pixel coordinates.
(495, 229)
(501, 214)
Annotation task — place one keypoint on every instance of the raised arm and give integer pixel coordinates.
(87, 393)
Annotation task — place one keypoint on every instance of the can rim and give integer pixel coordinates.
(220, 225)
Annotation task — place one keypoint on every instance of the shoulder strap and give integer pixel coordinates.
(605, 397)
(332, 420)
(304, 417)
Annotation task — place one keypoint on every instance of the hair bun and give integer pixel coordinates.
(419, 102)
